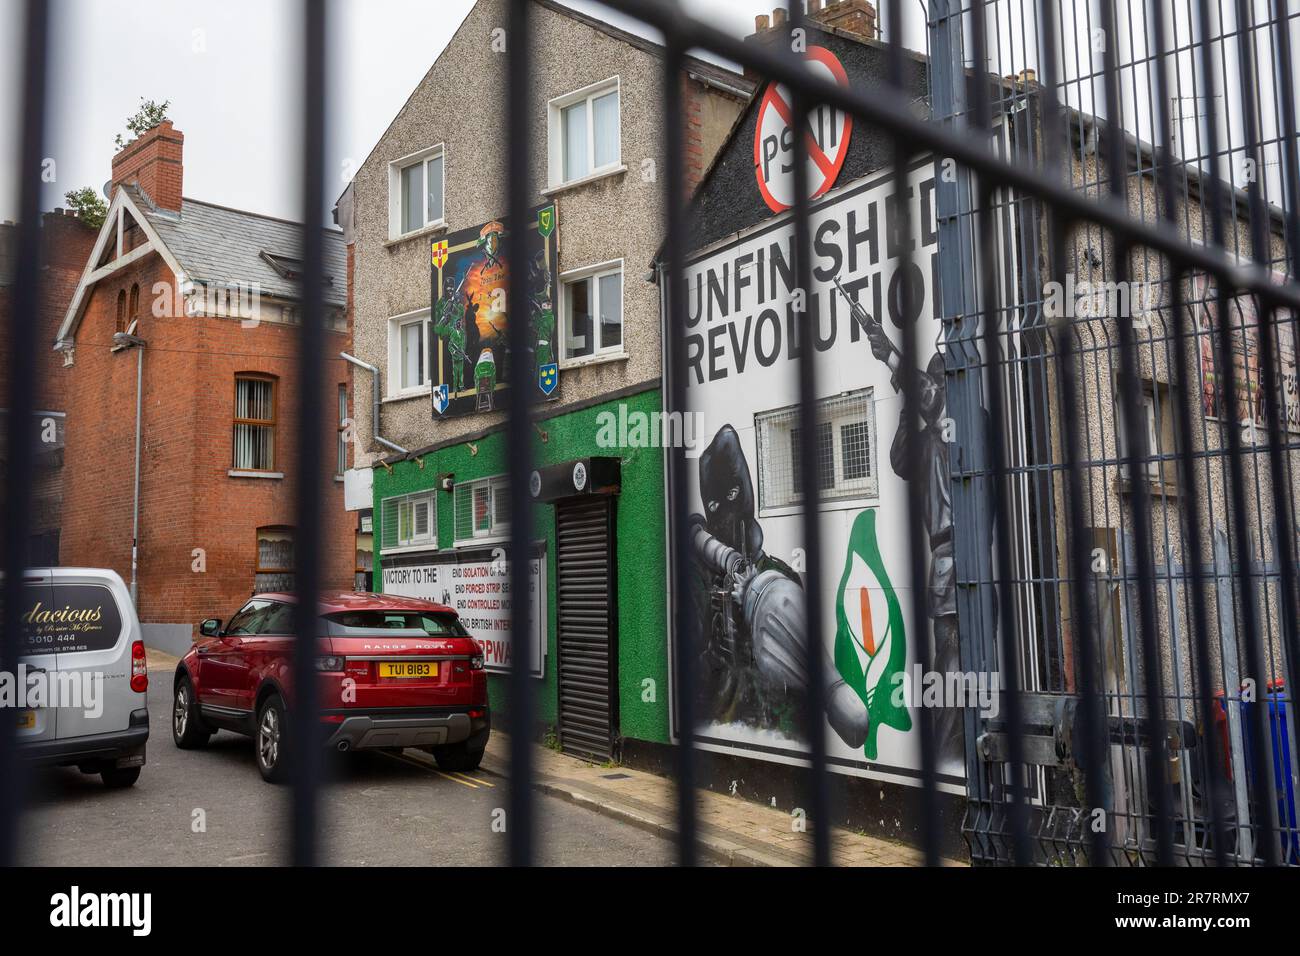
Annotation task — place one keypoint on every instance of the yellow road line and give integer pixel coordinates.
(466, 776)
(424, 766)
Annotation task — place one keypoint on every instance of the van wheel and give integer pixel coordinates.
(188, 730)
(117, 778)
(271, 739)
(457, 757)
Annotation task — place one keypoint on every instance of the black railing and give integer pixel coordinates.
(1132, 691)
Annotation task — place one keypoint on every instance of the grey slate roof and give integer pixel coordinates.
(216, 244)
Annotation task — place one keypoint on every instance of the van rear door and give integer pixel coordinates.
(95, 628)
(38, 663)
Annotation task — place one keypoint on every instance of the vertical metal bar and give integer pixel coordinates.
(1083, 627)
(23, 384)
(519, 435)
(1236, 453)
(1185, 408)
(909, 380)
(304, 714)
(806, 345)
(1137, 454)
(674, 328)
(1266, 316)
(1009, 662)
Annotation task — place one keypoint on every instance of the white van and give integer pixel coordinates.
(82, 674)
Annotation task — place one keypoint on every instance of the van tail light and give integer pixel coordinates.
(139, 668)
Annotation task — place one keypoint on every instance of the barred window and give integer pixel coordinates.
(409, 521)
(482, 509)
(254, 440)
(845, 451)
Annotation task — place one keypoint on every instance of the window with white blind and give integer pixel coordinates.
(844, 452)
(254, 434)
(416, 188)
(584, 133)
(408, 344)
(409, 521)
(481, 509)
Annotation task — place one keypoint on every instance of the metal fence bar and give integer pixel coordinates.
(1191, 515)
(673, 299)
(815, 700)
(307, 751)
(1083, 626)
(1000, 502)
(1137, 454)
(24, 381)
(519, 438)
(1265, 831)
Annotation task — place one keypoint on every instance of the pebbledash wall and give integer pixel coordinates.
(639, 549)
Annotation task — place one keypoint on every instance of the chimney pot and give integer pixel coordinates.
(761, 23)
(778, 17)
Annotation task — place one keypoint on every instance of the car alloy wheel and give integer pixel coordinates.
(268, 739)
(181, 710)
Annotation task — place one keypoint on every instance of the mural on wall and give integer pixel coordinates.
(746, 533)
(1251, 402)
(469, 283)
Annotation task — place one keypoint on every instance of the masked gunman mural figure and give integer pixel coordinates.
(925, 458)
(753, 654)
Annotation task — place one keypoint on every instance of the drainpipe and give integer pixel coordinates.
(123, 340)
(374, 414)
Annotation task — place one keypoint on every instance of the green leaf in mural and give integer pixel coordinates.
(863, 630)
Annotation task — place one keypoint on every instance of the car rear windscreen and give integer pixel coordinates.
(364, 623)
(61, 618)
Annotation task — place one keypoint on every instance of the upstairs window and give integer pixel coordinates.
(133, 310)
(584, 133)
(416, 192)
(254, 438)
(482, 509)
(409, 521)
(121, 311)
(592, 310)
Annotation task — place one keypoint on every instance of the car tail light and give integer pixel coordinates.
(139, 668)
(476, 661)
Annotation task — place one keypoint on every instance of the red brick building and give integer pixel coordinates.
(206, 299)
(66, 242)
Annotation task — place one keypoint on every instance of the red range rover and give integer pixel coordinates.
(393, 673)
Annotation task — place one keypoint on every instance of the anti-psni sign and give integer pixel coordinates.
(828, 138)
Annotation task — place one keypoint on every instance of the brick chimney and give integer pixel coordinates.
(851, 16)
(153, 161)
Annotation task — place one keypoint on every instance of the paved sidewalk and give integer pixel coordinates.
(732, 831)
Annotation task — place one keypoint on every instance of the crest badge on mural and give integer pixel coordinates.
(546, 222)
(440, 399)
(440, 254)
(548, 376)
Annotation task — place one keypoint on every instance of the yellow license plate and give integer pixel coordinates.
(27, 720)
(408, 669)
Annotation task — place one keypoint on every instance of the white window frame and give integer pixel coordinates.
(844, 493)
(1147, 398)
(592, 273)
(395, 325)
(498, 484)
(395, 169)
(425, 542)
(555, 128)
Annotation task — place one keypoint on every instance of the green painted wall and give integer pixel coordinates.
(641, 561)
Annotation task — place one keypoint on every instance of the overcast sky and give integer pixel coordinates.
(230, 68)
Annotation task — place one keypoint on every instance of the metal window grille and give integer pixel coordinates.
(1165, 153)
(845, 464)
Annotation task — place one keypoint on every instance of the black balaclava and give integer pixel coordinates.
(933, 388)
(728, 494)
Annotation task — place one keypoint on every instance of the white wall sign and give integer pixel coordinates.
(479, 591)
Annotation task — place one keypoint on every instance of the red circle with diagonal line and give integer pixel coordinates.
(828, 138)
